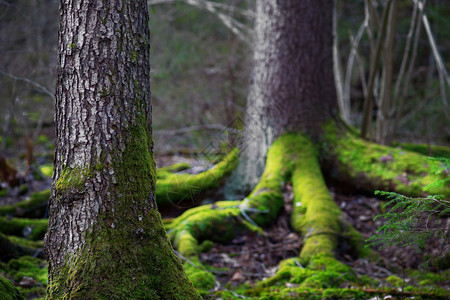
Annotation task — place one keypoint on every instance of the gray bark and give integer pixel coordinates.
(292, 87)
(96, 100)
(105, 238)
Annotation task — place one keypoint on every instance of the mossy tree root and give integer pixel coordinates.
(14, 247)
(369, 166)
(424, 149)
(8, 291)
(316, 216)
(172, 188)
(34, 207)
(33, 229)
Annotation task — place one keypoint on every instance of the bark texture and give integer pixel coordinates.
(292, 88)
(102, 198)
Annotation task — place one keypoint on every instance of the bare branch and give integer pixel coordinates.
(410, 70)
(337, 69)
(443, 75)
(29, 81)
(194, 128)
(240, 30)
(368, 103)
(348, 73)
(406, 52)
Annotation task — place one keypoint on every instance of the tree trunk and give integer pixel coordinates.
(105, 237)
(292, 88)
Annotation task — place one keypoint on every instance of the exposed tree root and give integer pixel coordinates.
(33, 229)
(175, 188)
(14, 247)
(293, 157)
(8, 291)
(35, 207)
(424, 149)
(368, 166)
(171, 187)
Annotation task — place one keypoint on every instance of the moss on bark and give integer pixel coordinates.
(124, 263)
(126, 254)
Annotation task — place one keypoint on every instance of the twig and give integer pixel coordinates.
(368, 104)
(406, 52)
(410, 70)
(195, 128)
(32, 82)
(244, 214)
(337, 69)
(187, 260)
(353, 52)
(239, 29)
(298, 263)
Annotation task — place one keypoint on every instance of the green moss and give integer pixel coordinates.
(296, 292)
(344, 293)
(8, 291)
(147, 270)
(322, 271)
(315, 215)
(438, 278)
(35, 268)
(424, 149)
(29, 244)
(206, 246)
(106, 267)
(34, 228)
(202, 280)
(35, 206)
(72, 179)
(29, 266)
(176, 188)
(47, 169)
(380, 167)
(168, 170)
(222, 220)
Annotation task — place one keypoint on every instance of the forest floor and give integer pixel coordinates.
(251, 258)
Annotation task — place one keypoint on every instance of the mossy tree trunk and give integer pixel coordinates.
(105, 237)
(292, 88)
